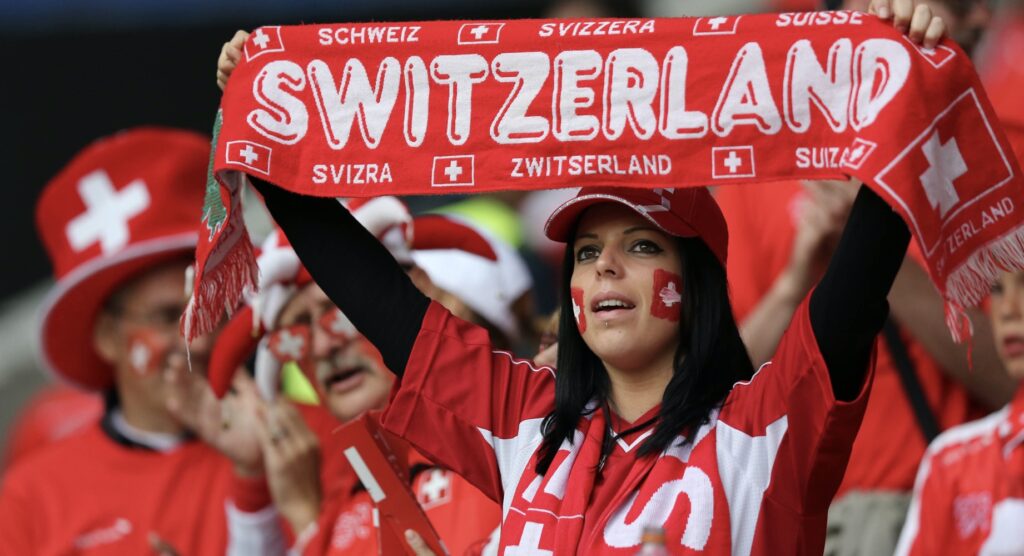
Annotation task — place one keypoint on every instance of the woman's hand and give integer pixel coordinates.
(291, 456)
(230, 54)
(912, 17)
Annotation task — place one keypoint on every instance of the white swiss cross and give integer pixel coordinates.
(717, 22)
(289, 344)
(260, 39)
(453, 171)
(248, 153)
(529, 543)
(733, 162)
(140, 357)
(945, 164)
(107, 212)
(435, 487)
(479, 31)
(669, 295)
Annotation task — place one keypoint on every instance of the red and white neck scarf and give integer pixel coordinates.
(357, 110)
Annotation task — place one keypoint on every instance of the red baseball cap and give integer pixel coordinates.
(681, 212)
(123, 205)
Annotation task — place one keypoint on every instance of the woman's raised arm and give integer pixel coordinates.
(354, 270)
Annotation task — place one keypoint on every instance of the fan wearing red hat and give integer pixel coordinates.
(655, 417)
(313, 486)
(117, 223)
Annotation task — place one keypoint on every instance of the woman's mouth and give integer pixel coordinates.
(606, 307)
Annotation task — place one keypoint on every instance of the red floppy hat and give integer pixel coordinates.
(123, 205)
(682, 212)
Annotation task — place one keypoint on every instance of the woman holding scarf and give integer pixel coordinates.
(655, 417)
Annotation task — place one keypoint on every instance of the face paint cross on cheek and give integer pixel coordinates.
(146, 351)
(577, 309)
(291, 343)
(337, 325)
(668, 297)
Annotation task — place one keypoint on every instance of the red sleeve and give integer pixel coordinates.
(467, 407)
(790, 401)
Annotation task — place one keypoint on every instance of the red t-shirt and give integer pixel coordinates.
(89, 495)
(762, 227)
(969, 494)
(756, 479)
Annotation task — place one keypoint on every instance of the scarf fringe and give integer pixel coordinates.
(220, 288)
(971, 282)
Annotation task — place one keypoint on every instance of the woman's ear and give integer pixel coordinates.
(105, 337)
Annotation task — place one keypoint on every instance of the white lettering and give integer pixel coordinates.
(630, 83)
(283, 117)
(806, 82)
(747, 98)
(571, 67)
(354, 99)
(675, 121)
(528, 71)
(460, 72)
(880, 68)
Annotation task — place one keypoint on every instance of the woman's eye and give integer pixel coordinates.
(586, 253)
(645, 246)
(996, 289)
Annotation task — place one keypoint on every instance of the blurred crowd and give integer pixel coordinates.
(232, 444)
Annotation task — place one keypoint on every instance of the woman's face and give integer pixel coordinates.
(1007, 311)
(627, 288)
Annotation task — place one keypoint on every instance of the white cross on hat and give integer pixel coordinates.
(107, 212)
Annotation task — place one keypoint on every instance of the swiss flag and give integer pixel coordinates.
(453, 171)
(937, 56)
(732, 162)
(433, 488)
(262, 41)
(480, 33)
(719, 25)
(251, 155)
(957, 152)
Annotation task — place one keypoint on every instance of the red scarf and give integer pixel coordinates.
(357, 110)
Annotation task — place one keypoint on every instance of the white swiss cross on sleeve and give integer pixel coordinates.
(945, 165)
(107, 212)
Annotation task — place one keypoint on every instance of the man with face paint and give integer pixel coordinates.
(312, 485)
(118, 223)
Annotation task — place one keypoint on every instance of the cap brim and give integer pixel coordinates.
(562, 220)
(69, 311)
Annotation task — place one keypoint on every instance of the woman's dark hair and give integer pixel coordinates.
(710, 359)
